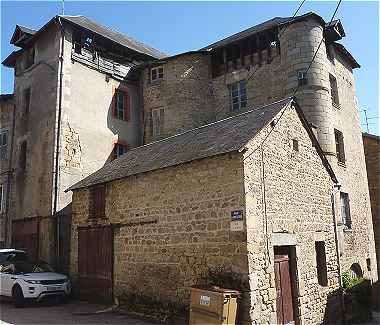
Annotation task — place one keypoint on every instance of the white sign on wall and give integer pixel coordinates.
(237, 223)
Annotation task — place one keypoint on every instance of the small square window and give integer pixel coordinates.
(302, 78)
(119, 150)
(157, 73)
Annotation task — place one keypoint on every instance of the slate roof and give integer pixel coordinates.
(115, 36)
(217, 138)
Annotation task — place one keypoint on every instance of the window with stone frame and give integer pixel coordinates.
(339, 146)
(3, 144)
(158, 120)
(238, 96)
(121, 109)
(334, 90)
(345, 210)
(320, 253)
(97, 201)
(119, 149)
(157, 73)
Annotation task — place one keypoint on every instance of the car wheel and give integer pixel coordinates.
(18, 297)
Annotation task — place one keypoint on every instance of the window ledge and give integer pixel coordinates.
(155, 82)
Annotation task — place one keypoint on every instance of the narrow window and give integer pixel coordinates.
(334, 91)
(157, 73)
(26, 101)
(3, 144)
(320, 252)
(22, 158)
(295, 145)
(158, 121)
(345, 210)
(97, 201)
(1, 197)
(238, 96)
(302, 79)
(339, 145)
(368, 261)
(121, 104)
(119, 150)
(29, 60)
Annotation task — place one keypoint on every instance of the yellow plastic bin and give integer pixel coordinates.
(213, 306)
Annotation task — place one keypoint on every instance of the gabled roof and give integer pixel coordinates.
(112, 35)
(90, 25)
(224, 136)
(21, 35)
(346, 54)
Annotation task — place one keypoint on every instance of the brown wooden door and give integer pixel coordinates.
(284, 300)
(95, 262)
(25, 235)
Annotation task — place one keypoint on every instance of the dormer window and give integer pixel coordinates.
(157, 73)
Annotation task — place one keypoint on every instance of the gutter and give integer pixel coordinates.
(58, 134)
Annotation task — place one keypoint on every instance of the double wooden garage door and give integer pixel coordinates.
(95, 262)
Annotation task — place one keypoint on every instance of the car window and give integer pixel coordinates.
(12, 256)
(26, 267)
(6, 268)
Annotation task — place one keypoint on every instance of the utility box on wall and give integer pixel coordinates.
(213, 306)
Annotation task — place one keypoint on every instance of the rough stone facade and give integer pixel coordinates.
(189, 206)
(7, 109)
(372, 159)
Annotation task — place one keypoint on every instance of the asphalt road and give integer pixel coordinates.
(58, 313)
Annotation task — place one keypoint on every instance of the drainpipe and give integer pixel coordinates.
(337, 186)
(58, 134)
(8, 223)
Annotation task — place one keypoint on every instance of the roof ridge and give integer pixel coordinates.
(212, 123)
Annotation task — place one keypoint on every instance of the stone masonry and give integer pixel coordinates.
(188, 207)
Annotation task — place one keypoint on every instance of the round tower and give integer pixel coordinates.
(299, 41)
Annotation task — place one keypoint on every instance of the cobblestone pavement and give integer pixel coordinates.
(69, 313)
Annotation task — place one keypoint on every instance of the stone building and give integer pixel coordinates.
(6, 134)
(77, 107)
(263, 64)
(249, 194)
(372, 158)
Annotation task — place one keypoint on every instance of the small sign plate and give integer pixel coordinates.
(204, 300)
(236, 215)
(237, 225)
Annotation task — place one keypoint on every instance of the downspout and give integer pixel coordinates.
(8, 223)
(58, 134)
(343, 306)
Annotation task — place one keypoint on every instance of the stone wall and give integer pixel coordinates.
(297, 202)
(372, 158)
(185, 93)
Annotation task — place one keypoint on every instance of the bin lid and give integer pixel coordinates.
(216, 289)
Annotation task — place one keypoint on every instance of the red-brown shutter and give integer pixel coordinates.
(113, 101)
(126, 105)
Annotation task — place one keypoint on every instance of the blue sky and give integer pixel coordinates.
(175, 27)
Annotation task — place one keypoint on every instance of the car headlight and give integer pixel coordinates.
(33, 281)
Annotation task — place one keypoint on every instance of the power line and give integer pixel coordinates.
(320, 43)
(282, 113)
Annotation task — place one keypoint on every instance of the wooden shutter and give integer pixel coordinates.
(113, 101)
(97, 201)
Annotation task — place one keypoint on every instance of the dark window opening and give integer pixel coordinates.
(119, 150)
(3, 144)
(302, 78)
(27, 100)
(345, 210)
(295, 145)
(339, 146)
(238, 96)
(121, 104)
(334, 90)
(22, 158)
(97, 201)
(320, 252)
(368, 261)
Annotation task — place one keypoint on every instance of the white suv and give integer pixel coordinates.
(23, 280)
